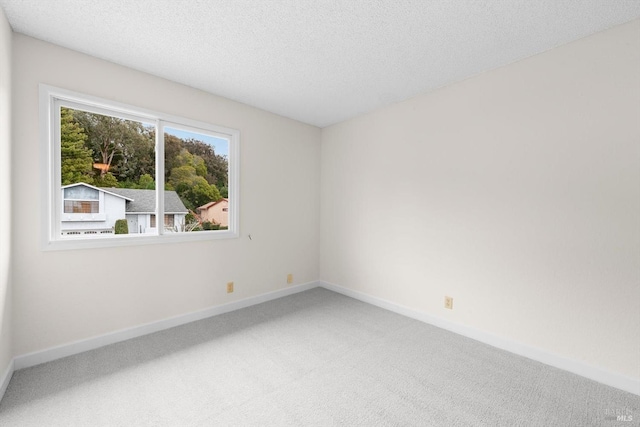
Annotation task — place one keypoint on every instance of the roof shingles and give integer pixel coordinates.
(144, 201)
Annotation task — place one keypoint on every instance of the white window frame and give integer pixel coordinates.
(51, 98)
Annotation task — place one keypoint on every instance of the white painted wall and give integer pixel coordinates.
(104, 291)
(516, 192)
(5, 197)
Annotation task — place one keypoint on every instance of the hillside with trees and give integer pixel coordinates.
(108, 151)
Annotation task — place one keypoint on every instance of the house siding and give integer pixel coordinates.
(216, 214)
(111, 209)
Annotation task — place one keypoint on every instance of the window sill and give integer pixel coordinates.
(113, 241)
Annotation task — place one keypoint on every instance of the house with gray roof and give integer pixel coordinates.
(95, 210)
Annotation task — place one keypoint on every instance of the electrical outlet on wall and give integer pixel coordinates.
(289, 278)
(229, 287)
(448, 302)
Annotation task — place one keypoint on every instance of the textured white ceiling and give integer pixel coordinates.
(317, 61)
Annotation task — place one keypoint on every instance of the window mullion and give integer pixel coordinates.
(160, 176)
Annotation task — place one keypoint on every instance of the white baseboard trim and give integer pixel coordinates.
(6, 377)
(64, 350)
(600, 375)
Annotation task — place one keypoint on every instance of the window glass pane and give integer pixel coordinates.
(196, 179)
(81, 192)
(75, 206)
(104, 178)
(107, 169)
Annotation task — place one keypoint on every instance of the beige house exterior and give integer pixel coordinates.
(215, 212)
